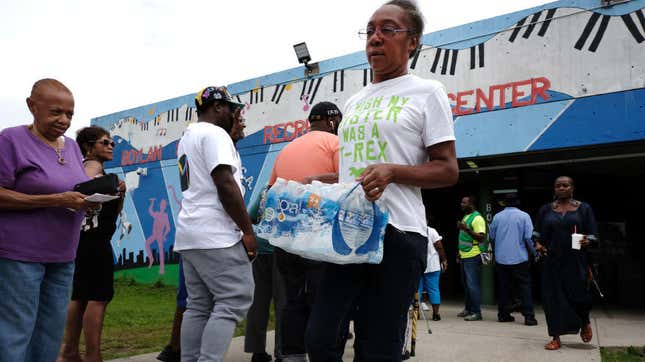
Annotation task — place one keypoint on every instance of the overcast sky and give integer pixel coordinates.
(121, 54)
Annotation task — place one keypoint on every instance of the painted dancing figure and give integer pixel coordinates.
(160, 230)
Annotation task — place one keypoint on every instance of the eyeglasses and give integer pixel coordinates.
(106, 143)
(386, 32)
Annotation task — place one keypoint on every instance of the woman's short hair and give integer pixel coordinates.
(86, 137)
(565, 176)
(415, 17)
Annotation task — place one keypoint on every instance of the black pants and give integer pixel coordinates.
(266, 289)
(520, 274)
(301, 278)
(382, 294)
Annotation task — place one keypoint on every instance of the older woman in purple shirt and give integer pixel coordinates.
(40, 222)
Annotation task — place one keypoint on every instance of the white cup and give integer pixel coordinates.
(575, 240)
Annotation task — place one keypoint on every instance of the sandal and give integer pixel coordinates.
(553, 345)
(586, 333)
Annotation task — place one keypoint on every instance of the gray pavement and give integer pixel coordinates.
(453, 339)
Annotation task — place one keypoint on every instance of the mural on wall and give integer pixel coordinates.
(548, 77)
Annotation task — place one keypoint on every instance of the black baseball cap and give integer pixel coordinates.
(324, 110)
(208, 95)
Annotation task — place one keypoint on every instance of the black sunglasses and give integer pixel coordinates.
(106, 143)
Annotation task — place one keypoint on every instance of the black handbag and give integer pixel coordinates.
(107, 185)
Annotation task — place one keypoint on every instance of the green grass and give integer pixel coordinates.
(139, 318)
(150, 276)
(622, 354)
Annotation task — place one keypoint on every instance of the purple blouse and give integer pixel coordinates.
(29, 166)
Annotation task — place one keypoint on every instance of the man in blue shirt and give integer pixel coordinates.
(510, 233)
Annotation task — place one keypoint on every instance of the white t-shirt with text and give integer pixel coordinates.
(394, 122)
(202, 222)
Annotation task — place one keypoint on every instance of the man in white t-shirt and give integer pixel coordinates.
(214, 234)
(437, 263)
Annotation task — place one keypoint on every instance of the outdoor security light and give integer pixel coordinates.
(303, 57)
(302, 53)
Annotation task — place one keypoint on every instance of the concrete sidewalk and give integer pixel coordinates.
(489, 340)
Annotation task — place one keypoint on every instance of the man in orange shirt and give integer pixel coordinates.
(312, 156)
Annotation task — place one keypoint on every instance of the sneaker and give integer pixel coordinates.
(463, 313)
(424, 306)
(506, 318)
(530, 321)
(168, 355)
(473, 317)
(436, 317)
(261, 357)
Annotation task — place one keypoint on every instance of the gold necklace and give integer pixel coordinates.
(60, 143)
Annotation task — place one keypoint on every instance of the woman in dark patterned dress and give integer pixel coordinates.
(566, 296)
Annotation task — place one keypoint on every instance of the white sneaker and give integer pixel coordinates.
(424, 306)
